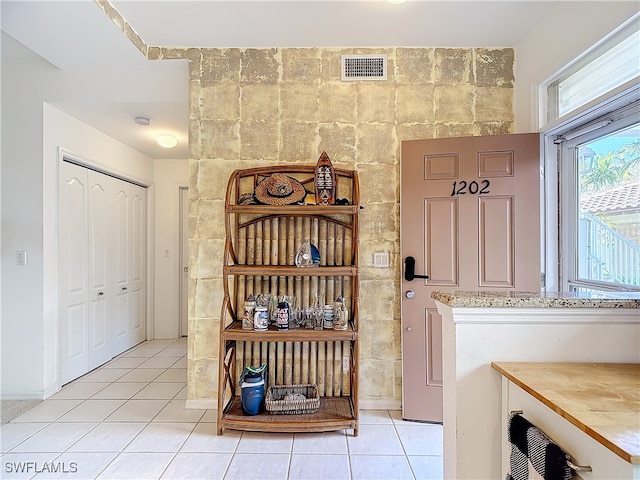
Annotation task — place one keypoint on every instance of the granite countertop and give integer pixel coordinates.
(602, 399)
(493, 299)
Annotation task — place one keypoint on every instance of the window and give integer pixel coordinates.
(591, 195)
(609, 65)
(599, 165)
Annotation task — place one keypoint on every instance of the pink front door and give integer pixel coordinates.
(470, 219)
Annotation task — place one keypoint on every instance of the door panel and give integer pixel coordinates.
(101, 294)
(469, 216)
(441, 245)
(496, 242)
(74, 356)
(137, 263)
(122, 270)
(420, 369)
(434, 362)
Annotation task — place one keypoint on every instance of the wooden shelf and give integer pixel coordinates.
(334, 413)
(235, 332)
(293, 209)
(261, 243)
(290, 271)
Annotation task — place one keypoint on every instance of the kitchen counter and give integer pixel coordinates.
(513, 299)
(479, 328)
(602, 400)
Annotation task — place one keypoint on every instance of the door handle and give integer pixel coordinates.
(410, 268)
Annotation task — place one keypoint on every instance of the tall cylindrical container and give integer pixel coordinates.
(282, 318)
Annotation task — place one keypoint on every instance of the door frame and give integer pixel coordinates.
(51, 260)
(183, 249)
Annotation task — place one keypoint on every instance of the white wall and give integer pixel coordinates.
(569, 30)
(32, 131)
(22, 227)
(169, 176)
(86, 144)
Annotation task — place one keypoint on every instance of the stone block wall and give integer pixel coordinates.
(252, 107)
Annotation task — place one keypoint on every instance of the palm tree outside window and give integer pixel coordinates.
(608, 209)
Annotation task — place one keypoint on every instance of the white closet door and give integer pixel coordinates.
(102, 225)
(130, 265)
(120, 259)
(101, 272)
(137, 265)
(74, 265)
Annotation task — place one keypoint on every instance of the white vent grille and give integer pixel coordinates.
(364, 67)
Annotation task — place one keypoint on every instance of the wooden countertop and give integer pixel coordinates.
(601, 399)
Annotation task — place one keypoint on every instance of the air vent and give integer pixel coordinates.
(364, 67)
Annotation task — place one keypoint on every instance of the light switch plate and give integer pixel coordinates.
(21, 258)
(381, 260)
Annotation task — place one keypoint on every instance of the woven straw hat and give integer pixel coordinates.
(279, 189)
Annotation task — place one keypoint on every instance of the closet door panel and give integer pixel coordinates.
(102, 292)
(137, 264)
(73, 218)
(120, 257)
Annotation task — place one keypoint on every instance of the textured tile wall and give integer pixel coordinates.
(251, 107)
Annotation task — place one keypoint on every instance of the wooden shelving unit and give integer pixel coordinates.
(261, 243)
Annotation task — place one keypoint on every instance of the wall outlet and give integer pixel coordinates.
(345, 364)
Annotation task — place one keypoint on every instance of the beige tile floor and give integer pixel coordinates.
(126, 420)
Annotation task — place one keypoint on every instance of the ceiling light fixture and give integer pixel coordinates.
(166, 140)
(396, 2)
(142, 121)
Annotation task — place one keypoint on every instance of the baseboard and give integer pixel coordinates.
(23, 396)
(51, 390)
(201, 404)
(380, 405)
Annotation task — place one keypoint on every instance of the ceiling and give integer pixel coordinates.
(113, 82)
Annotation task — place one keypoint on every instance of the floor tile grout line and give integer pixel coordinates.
(232, 456)
(406, 456)
(124, 447)
(25, 439)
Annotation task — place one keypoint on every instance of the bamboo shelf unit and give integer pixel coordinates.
(260, 248)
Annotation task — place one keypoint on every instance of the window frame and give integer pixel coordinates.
(555, 270)
(559, 258)
(567, 145)
(549, 116)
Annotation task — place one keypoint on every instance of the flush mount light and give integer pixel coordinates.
(142, 121)
(166, 140)
(396, 2)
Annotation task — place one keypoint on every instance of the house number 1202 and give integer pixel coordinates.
(473, 187)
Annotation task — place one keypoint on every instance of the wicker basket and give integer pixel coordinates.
(276, 404)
